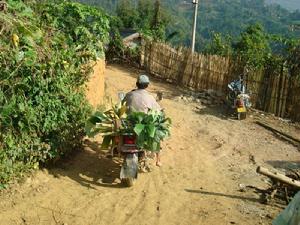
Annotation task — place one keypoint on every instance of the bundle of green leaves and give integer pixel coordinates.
(150, 128)
(104, 122)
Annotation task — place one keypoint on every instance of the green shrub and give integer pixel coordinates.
(45, 55)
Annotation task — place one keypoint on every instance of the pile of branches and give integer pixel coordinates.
(283, 187)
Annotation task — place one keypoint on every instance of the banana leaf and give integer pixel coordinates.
(151, 128)
(106, 142)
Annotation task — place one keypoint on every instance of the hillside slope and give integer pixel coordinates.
(223, 16)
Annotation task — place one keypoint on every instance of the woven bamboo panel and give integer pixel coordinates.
(272, 90)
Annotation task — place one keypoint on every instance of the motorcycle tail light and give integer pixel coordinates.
(129, 140)
(240, 103)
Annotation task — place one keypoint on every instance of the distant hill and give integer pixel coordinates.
(222, 16)
(288, 4)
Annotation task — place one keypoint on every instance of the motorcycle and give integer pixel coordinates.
(238, 98)
(124, 146)
(134, 158)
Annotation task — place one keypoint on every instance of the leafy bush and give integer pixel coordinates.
(115, 48)
(84, 26)
(253, 46)
(45, 55)
(219, 45)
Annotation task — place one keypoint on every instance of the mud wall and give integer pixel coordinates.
(95, 86)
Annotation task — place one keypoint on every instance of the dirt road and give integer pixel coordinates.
(205, 163)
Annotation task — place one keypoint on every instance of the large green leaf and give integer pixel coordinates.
(106, 142)
(138, 129)
(96, 119)
(137, 117)
(141, 139)
(151, 130)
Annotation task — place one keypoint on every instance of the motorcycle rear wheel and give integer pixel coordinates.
(128, 182)
(242, 116)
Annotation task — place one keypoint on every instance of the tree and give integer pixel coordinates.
(145, 11)
(219, 45)
(253, 46)
(159, 22)
(127, 13)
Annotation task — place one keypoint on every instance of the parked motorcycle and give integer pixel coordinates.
(238, 97)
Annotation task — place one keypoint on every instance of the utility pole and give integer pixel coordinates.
(195, 2)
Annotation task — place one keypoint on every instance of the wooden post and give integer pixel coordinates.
(278, 176)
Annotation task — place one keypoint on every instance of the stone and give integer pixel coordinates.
(242, 187)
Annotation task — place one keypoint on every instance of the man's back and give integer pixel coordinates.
(141, 100)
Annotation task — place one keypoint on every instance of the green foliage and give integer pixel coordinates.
(103, 121)
(219, 45)
(147, 17)
(108, 5)
(253, 46)
(259, 49)
(127, 13)
(85, 26)
(291, 55)
(115, 48)
(43, 63)
(151, 128)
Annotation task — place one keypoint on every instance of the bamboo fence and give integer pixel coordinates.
(272, 90)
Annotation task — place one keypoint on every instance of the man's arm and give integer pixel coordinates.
(155, 105)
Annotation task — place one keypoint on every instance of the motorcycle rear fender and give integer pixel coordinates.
(130, 166)
(230, 87)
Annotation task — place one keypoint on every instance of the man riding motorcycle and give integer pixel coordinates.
(140, 100)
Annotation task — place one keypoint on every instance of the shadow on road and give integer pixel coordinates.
(256, 200)
(292, 165)
(90, 167)
(221, 112)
